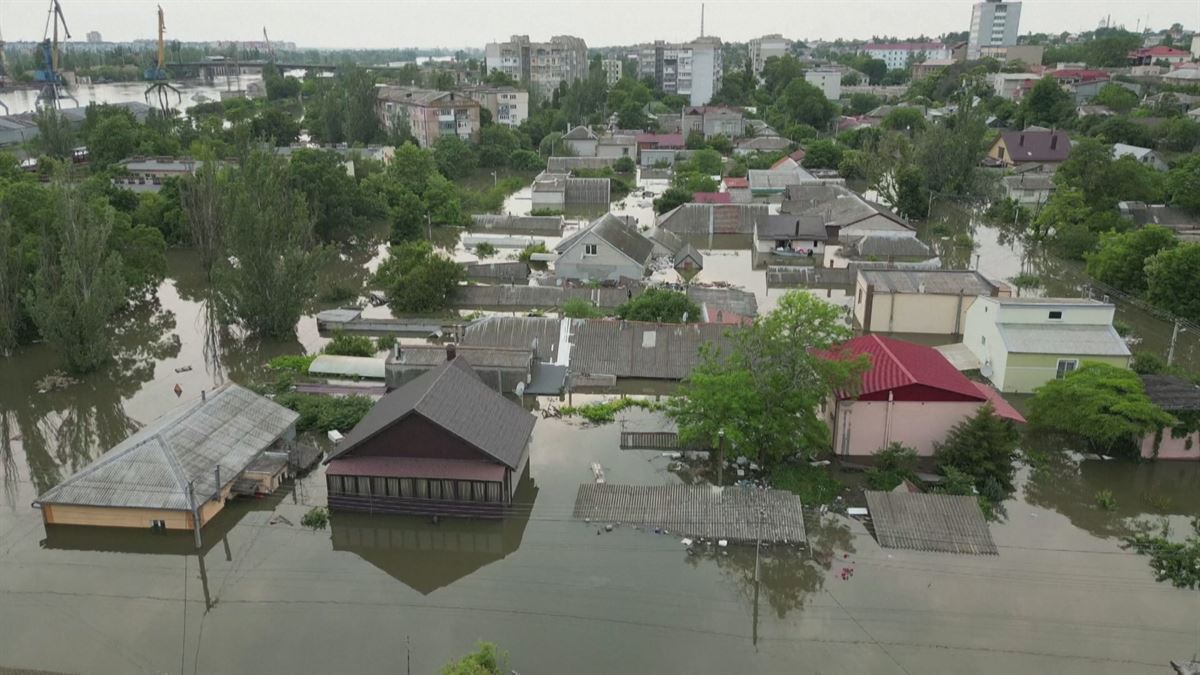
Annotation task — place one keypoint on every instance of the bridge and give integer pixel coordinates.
(210, 70)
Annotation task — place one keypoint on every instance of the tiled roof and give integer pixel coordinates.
(618, 233)
(1037, 146)
(897, 366)
(1172, 393)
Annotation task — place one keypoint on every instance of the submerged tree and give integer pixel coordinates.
(982, 447)
(12, 281)
(80, 282)
(200, 195)
(269, 274)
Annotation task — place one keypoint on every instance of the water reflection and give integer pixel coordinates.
(426, 556)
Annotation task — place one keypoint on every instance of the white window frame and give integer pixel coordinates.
(590, 250)
(1060, 372)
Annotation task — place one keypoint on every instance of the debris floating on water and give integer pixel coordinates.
(54, 381)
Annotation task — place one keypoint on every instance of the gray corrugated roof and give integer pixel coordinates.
(1064, 339)
(1171, 393)
(152, 468)
(623, 348)
(887, 246)
(951, 282)
(618, 233)
(524, 332)
(777, 179)
(784, 226)
(492, 221)
(579, 133)
(453, 397)
(479, 357)
(929, 522)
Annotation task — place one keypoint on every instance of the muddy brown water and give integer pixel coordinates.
(369, 593)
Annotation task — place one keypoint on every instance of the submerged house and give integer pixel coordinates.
(910, 394)
(790, 235)
(918, 301)
(1022, 343)
(608, 249)
(177, 472)
(443, 444)
(1181, 399)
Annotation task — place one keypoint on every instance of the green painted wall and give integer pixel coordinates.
(1025, 372)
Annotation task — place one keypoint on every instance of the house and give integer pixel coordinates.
(508, 105)
(922, 70)
(691, 218)
(910, 394)
(738, 187)
(1012, 86)
(791, 235)
(1029, 189)
(895, 247)
(608, 249)
(748, 146)
(1022, 343)
(1153, 55)
(616, 146)
(1143, 155)
(176, 472)
(713, 120)
(1178, 397)
(146, 174)
(1014, 148)
(687, 259)
(1184, 76)
(428, 114)
(656, 149)
(580, 141)
(556, 191)
(918, 301)
(1083, 84)
(773, 182)
(712, 198)
(843, 210)
(1096, 110)
(443, 444)
(1185, 225)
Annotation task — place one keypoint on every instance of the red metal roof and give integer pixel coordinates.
(1080, 75)
(718, 315)
(416, 467)
(733, 183)
(1003, 408)
(712, 198)
(910, 371)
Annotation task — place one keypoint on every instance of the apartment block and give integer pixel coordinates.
(429, 114)
(764, 48)
(540, 66)
(691, 69)
(508, 105)
(612, 70)
(897, 55)
(828, 80)
(993, 24)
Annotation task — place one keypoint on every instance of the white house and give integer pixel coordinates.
(1144, 155)
(897, 55)
(933, 302)
(608, 249)
(581, 141)
(828, 80)
(1022, 343)
(1029, 189)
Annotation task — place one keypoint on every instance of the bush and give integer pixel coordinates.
(814, 485)
(983, 447)
(350, 345)
(624, 165)
(292, 363)
(578, 308)
(527, 252)
(385, 342)
(485, 250)
(316, 518)
(893, 465)
(526, 160)
(656, 304)
(606, 411)
(326, 413)
(1177, 562)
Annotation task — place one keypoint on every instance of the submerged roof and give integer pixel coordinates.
(151, 469)
(1171, 393)
(454, 398)
(930, 522)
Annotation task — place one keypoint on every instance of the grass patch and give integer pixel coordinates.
(606, 411)
(813, 484)
(350, 345)
(325, 413)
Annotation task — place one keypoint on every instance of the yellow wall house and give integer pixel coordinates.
(178, 470)
(918, 301)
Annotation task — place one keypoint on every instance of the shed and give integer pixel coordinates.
(790, 235)
(177, 471)
(688, 259)
(443, 444)
(918, 301)
(347, 366)
(504, 369)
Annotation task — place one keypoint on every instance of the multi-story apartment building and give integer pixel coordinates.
(691, 69)
(508, 105)
(429, 114)
(764, 48)
(612, 70)
(994, 23)
(828, 80)
(540, 66)
(897, 55)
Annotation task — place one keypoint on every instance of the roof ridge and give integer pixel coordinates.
(898, 361)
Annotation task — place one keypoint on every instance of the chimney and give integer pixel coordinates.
(1053, 141)
(1022, 141)
(451, 352)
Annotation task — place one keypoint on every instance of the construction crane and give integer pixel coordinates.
(157, 74)
(270, 49)
(53, 85)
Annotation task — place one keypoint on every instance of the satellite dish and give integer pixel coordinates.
(986, 370)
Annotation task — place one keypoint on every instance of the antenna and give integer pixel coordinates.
(702, 19)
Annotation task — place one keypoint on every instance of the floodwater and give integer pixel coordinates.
(25, 100)
(376, 593)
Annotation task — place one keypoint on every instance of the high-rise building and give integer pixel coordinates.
(541, 66)
(994, 23)
(612, 70)
(764, 48)
(691, 69)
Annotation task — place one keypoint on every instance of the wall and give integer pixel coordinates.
(983, 339)
(415, 436)
(608, 263)
(914, 312)
(1076, 315)
(1172, 448)
(1025, 372)
(862, 425)
(652, 156)
(584, 148)
(611, 151)
(66, 514)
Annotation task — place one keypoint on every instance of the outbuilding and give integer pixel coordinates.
(918, 301)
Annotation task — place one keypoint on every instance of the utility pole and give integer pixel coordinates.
(429, 225)
(1174, 337)
(757, 551)
(721, 457)
(408, 653)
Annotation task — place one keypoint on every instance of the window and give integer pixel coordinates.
(1055, 315)
(1065, 366)
(589, 249)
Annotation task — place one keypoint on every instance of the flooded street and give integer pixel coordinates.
(371, 593)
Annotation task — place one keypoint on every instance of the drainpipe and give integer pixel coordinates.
(887, 424)
(958, 314)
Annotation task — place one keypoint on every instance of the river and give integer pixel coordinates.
(24, 100)
(372, 594)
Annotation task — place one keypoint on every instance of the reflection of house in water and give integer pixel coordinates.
(442, 444)
(426, 556)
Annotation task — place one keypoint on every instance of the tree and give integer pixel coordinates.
(862, 103)
(1116, 97)
(822, 155)
(948, 154)
(661, 306)
(55, 136)
(442, 202)
(1121, 259)
(79, 284)
(671, 198)
(763, 391)
(112, 139)
(270, 274)
(275, 126)
(874, 69)
(1047, 104)
(418, 280)
(497, 143)
(802, 102)
(1183, 184)
(1104, 180)
(412, 167)
(1173, 280)
(200, 197)
(485, 660)
(982, 447)
(705, 162)
(907, 119)
(1072, 228)
(1104, 406)
(454, 157)
(526, 160)
(1122, 130)
(360, 123)
(334, 200)
(779, 71)
(1179, 134)
(12, 285)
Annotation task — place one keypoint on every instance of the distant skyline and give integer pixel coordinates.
(472, 23)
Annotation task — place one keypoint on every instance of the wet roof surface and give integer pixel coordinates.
(930, 522)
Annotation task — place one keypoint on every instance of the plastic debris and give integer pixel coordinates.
(856, 511)
(742, 461)
(823, 462)
(608, 528)
(183, 369)
(722, 543)
(741, 473)
(672, 455)
(753, 466)
(685, 541)
(334, 435)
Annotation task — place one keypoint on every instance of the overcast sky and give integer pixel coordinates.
(472, 23)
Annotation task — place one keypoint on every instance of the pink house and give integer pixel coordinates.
(1177, 397)
(911, 394)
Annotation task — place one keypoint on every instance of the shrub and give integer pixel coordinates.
(292, 363)
(316, 518)
(326, 413)
(982, 447)
(385, 342)
(485, 250)
(656, 304)
(624, 165)
(814, 485)
(527, 252)
(350, 345)
(606, 411)
(893, 465)
(578, 308)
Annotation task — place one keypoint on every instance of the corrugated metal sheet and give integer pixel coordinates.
(733, 513)
(896, 364)
(588, 191)
(1027, 338)
(640, 349)
(565, 164)
(510, 272)
(531, 224)
(347, 366)
(930, 522)
(945, 282)
(537, 333)
(152, 468)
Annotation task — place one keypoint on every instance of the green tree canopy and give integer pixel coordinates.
(1103, 406)
(904, 119)
(1116, 97)
(660, 305)
(1173, 280)
(334, 198)
(1047, 105)
(1183, 184)
(485, 660)
(417, 279)
(824, 154)
(455, 158)
(983, 447)
(1121, 259)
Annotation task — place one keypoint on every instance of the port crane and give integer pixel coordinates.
(157, 74)
(54, 87)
